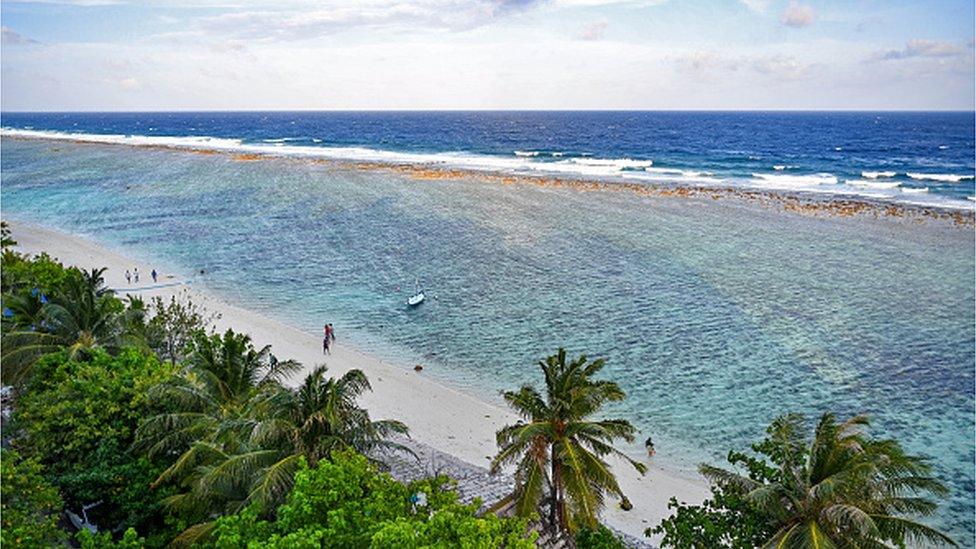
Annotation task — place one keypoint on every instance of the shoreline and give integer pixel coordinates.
(802, 201)
(439, 416)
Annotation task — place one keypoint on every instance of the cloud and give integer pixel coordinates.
(922, 48)
(10, 37)
(340, 15)
(783, 67)
(593, 31)
(798, 15)
(706, 64)
(758, 6)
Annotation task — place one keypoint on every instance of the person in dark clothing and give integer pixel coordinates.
(325, 340)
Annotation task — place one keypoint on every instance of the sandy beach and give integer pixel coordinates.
(437, 415)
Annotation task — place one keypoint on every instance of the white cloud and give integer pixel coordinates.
(10, 37)
(780, 66)
(784, 67)
(758, 6)
(129, 83)
(594, 31)
(798, 15)
(923, 48)
(701, 63)
(339, 15)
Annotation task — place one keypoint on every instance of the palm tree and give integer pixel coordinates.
(239, 434)
(83, 316)
(210, 412)
(840, 489)
(313, 421)
(559, 449)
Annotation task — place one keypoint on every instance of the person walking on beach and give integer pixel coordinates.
(128, 277)
(135, 275)
(325, 340)
(154, 275)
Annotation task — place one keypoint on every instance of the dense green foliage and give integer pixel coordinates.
(80, 417)
(598, 538)
(41, 272)
(104, 540)
(240, 434)
(839, 488)
(31, 506)
(345, 502)
(80, 316)
(724, 520)
(173, 325)
(559, 450)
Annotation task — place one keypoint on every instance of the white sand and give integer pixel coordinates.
(439, 416)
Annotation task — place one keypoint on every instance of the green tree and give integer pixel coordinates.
(30, 506)
(79, 419)
(6, 239)
(104, 540)
(344, 502)
(726, 520)
(840, 488)
(174, 323)
(41, 272)
(598, 538)
(212, 409)
(318, 418)
(82, 317)
(559, 449)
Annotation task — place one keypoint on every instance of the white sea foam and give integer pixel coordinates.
(557, 154)
(877, 175)
(943, 147)
(795, 180)
(913, 190)
(779, 167)
(619, 163)
(943, 177)
(525, 154)
(673, 174)
(872, 184)
(628, 168)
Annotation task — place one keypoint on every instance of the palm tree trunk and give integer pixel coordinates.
(557, 514)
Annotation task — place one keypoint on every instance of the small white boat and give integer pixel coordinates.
(416, 299)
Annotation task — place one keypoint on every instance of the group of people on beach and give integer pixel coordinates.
(133, 277)
(328, 337)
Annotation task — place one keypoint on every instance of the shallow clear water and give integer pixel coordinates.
(715, 316)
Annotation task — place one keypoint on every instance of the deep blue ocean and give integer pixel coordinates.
(908, 157)
(714, 315)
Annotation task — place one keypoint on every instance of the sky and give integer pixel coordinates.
(486, 54)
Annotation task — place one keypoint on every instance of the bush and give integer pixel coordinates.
(598, 538)
(725, 520)
(31, 507)
(41, 272)
(79, 419)
(345, 502)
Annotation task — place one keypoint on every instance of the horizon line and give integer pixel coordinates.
(462, 110)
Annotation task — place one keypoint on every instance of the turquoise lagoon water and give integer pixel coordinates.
(715, 316)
